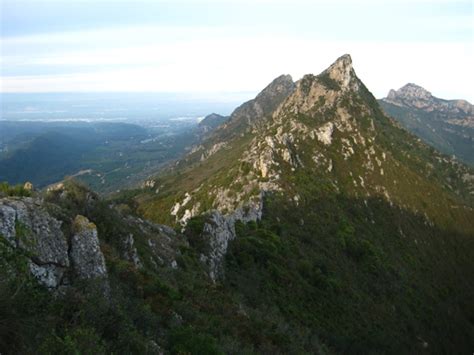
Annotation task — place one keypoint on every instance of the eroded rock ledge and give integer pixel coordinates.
(53, 257)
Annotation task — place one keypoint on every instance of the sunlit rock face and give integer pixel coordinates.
(86, 256)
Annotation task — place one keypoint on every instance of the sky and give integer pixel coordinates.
(223, 46)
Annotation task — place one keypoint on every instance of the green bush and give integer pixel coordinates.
(17, 190)
(193, 232)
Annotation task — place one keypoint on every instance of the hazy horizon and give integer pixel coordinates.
(142, 108)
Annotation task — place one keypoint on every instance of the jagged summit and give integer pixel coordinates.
(410, 92)
(338, 77)
(415, 96)
(328, 127)
(342, 71)
(326, 88)
(310, 217)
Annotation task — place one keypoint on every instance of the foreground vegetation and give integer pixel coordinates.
(332, 275)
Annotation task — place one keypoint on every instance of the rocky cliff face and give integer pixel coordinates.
(27, 225)
(63, 246)
(86, 256)
(218, 232)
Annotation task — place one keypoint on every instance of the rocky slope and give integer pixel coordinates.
(62, 245)
(448, 125)
(328, 126)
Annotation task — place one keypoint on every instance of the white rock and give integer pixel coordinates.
(175, 209)
(324, 133)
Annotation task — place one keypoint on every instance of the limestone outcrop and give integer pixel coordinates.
(53, 256)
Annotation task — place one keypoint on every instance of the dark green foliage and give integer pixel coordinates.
(21, 299)
(193, 232)
(358, 286)
(245, 167)
(331, 275)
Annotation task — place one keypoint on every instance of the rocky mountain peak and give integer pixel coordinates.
(289, 141)
(322, 124)
(410, 92)
(326, 89)
(415, 96)
(342, 71)
(280, 85)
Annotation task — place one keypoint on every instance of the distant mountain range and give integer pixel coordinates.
(447, 125)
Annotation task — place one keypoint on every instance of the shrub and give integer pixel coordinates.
(17, 190)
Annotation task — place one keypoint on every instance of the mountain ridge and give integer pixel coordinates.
(313, 112)
(327, 177)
